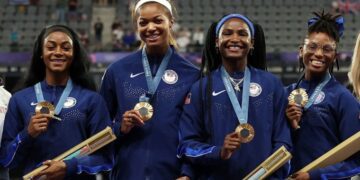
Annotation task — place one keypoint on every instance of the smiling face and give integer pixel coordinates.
(153, 25)
(57, 53)
(234, 40)
(319, 53)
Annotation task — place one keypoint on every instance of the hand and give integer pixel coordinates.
(130, 119)
(231, 143)
(294, 113)
(301, 176)
(183, 178)
(55, 170)
(38, 124)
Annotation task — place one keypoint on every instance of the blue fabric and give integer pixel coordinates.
(330, 120)
(239, 16)
(339, 23)
(86, 117)
(202, 140)
(148, 151)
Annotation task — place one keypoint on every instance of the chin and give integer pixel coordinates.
(233, 57)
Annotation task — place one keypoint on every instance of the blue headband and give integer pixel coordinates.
(239, 16)
(339, 24)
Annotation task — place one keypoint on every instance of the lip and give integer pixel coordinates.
(152, 37)
(317, 63)
(58, 61)
(234, 47)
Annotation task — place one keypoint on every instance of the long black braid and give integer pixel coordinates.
(211, 60)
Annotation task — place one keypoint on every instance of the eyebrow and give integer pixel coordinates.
(64, 42)
(158, 16)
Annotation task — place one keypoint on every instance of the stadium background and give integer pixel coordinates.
(284, 23)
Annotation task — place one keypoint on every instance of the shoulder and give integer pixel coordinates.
(265, 77)
(123, 62)
(340, 90)
(184, 63)
(86, 94)
(290, 88)
(24, 92)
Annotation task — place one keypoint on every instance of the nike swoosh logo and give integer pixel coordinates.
(217, 93)
(33, 103)
(134, 75)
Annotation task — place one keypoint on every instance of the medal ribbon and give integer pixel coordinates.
(241, 112)
(317, 90)
(63, 97)
(153, 83)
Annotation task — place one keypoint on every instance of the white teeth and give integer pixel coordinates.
(317, 63)
(153, 36)
(234, 48)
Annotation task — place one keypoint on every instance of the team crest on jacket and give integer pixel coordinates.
(170, 77)
(255, 89)
(69, 102)
(320, 98)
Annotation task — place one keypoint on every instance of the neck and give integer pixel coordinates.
(57, 79)
(232, 65)
(314, 77)
(157, 52)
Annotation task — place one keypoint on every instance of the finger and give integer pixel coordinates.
(235, 139)
(40, 120)
(292, 115)
(229, 147)
(232, 135)
(47, 162)
(234, 144)
(295, 124)
(137, 120)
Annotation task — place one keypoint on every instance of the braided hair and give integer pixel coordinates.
(328, 23)
(211, 60)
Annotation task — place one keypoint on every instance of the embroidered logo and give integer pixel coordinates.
(217, 93)
(255, 89)
(69, 102)
(33, 103)
(170, 77)
(320, 98)
(135, 75)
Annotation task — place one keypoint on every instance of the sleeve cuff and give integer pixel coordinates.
(71, 166)
(116, 130)
(216, 154)
(25, 138)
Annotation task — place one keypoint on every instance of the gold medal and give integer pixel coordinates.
(298, 96)
(145, 109)
(246, 132)
(45, 107)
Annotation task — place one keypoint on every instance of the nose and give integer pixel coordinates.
(235, 38)
(151, 26)
(58, 51)
(319, 51)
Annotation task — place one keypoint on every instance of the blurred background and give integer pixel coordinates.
(106, 30)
